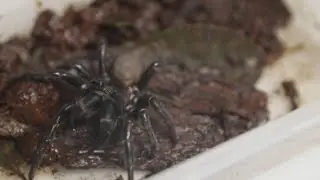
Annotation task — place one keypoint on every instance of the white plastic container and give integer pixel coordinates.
(288, 147)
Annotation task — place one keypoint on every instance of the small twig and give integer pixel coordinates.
(292, 93)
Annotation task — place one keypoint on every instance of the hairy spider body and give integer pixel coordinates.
(101, 104)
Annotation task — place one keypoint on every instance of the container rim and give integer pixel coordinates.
(224, 155)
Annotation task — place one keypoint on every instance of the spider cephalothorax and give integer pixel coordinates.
(102, 105)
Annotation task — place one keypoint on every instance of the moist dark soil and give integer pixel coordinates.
(206, 111)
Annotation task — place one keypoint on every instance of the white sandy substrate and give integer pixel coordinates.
(299, 63)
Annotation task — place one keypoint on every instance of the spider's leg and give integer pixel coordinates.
(158, 107)
(102, 66)
(30, 77)
(74, 80)
(146, 76)
(36, 158)
(104, 71)
(81, 70)
(129, 149)
(25, 78)
(143, 115)
(76, 70)
(60, 78)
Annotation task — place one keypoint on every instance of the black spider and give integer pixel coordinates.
(104, 106)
